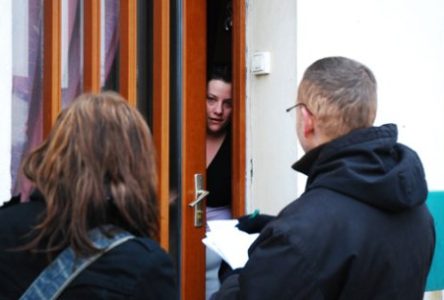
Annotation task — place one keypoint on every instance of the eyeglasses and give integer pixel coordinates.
(297, 105)
(294, 106)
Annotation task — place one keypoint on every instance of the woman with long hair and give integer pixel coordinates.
(95, 171)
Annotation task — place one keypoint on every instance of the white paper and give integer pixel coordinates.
(229, 242)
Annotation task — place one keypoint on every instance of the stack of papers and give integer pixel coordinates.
(229, 242)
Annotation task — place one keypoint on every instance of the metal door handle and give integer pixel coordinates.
(197, 203)
(201, 194)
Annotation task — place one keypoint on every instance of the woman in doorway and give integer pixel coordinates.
(218, 153)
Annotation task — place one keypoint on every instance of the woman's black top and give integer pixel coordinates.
(219, 175)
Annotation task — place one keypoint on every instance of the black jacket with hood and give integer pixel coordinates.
(361, 229)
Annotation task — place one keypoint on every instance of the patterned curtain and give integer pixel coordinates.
(27, 84)
(27, 129)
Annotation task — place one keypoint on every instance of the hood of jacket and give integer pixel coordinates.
(370, 166)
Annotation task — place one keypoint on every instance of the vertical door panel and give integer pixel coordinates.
(91, 50)
(193, 145)
(128, 50)
(52, 64)
(238, 120)
(161, 109)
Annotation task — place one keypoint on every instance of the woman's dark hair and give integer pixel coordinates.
(97, 163)
(219, 72)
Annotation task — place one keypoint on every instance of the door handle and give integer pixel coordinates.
(200, 195)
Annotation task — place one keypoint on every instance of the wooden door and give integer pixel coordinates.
(193, 129)
(192, 271)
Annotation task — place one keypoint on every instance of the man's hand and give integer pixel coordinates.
(253, 223)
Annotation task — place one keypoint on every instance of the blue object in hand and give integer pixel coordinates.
(254, 222)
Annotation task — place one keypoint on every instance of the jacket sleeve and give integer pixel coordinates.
(158, 280)
(277, 269)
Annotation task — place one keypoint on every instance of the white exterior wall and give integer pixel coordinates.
(271, 134)
(5, 98)
(401, 41)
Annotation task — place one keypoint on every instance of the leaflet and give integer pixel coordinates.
(229, 242)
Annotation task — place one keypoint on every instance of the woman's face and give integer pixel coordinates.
(219, 106)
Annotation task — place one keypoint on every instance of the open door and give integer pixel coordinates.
(192, 271)
(192, 33)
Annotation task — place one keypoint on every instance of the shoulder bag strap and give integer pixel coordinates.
(58, 275)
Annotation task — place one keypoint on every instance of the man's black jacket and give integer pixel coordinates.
(361, 229)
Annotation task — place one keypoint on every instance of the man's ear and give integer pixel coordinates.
(308, 122)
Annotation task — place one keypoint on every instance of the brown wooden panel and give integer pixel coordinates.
(161, 109)
(91, 46)
(238, 146)
(193, 145)
(51, 63)
(128, 50)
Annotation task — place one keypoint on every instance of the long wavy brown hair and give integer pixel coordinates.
(97, 166)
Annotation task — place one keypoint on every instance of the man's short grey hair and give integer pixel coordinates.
(341, 94)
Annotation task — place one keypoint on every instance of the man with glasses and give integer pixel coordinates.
(361, 229)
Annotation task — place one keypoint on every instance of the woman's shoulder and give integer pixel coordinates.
(22, 214)
(147, 245)
(138, 268)
(34, 201)
(140, 253)
(158, 277)
(11, 202)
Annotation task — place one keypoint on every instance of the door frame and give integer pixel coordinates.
(239, 113)
(194, 66)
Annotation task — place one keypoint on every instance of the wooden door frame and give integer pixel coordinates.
(194, 66)
(238, 119)
(127, 75)
(128, 50)
(52, 67)
(91, 46)
(161, 110)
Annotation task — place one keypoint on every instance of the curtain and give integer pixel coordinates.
(27, 129)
